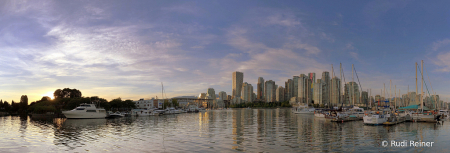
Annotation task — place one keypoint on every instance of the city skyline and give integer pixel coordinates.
(110, 51)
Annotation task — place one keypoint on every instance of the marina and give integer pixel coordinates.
(247, 130)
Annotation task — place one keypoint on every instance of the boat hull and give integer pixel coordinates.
(85, 115)
(374, 120)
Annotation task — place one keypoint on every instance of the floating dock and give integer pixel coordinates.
(395, 120)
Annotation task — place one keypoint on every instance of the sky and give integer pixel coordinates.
(126, 49)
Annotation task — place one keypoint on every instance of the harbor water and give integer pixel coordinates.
(247, 130)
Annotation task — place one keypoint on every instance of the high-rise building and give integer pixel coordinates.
(353, 93)
(335, 87)
(247, 91)
(295, 87)
(202, 96)
(312, 77)
(364, 98)
(405, 100)
(318, 92)
(412, 97)
(304, 89)
(280, 94)
(253, 96)
(211, 94)
(260, 88)
(326, 87)
(269, 91)
(238, 79)
(288, 90)
(223, 95)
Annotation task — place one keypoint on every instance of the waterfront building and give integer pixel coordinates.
(288, 90)
(211, 94)
(253, 96)
(280, 94)
(412, 98)
(378, 100)
(223, 95)
(269, 91)
(352, 91)
(295, 87)
(405, 100)
(247, 90)
(371, 101)
(326, 87)
(317, 95)
(143, 104)
(228, 97)
(312, 77)
(260, 89)
(364, 98)
(304, 91)
(202, 96)
(335, 87)
(238, 79)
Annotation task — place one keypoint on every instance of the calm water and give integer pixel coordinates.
(256, 130)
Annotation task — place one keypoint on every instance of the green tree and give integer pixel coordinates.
(175, 102)
(116, 103)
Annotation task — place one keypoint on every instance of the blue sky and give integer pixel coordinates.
(127, 48)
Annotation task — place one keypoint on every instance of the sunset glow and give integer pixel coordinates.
(49, 94)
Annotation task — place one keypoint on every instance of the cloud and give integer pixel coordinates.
(439, 44)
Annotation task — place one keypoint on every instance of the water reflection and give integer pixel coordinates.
(249, 130)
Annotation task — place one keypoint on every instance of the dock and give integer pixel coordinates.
(395, 120)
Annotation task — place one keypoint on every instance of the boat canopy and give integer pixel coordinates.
(414, 107)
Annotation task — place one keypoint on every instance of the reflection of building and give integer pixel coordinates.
(238, 79)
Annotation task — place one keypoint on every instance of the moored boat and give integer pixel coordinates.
(85, 111)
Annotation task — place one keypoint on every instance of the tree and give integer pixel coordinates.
(67, 93)
(175, 102)
(116, 103)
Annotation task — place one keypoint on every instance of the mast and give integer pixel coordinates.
(384, 92)
(390, 91)
(395, 97)
(331, 90)
(421, 92)
(370, 100)
(417, 92)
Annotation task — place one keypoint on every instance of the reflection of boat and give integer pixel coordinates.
(249, 108)
(85, 111)
(201, 109)
(145, 112)
(83, 122)
(303, 109)
(115, 115)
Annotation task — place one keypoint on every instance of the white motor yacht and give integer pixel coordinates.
(85, 111)
(145, 112)
(115, 115)
(444, 114)
(376, 117)
(356, 112)
(303, 109)
(319, 113)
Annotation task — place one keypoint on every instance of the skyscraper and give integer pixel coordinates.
(280, 94)
(353, 93)
(211, 94)
(238, 79)
(335, 91)
(326, 87)
(247, 90)
(289, 85)
(318, 92)
(223, 95)
(260, 88)
(304, 89)
(295, 87)
(269, 91)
